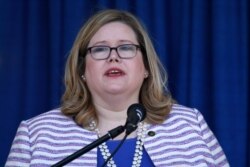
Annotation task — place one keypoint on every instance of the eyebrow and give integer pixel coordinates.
(119, 41)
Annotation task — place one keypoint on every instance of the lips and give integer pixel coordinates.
(114, 72)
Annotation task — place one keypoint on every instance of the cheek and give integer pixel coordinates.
(90, 68)
(139, 66)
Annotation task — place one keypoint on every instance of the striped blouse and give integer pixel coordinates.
(184, 139)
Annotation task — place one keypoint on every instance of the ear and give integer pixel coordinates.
(146, 74)
(83, 78)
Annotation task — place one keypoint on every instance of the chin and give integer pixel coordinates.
(116, 91)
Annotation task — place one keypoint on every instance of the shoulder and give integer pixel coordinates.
(181, 117)
(53, 123)
(53, 119)
(192, 116)
(183, 111)
(52, 115)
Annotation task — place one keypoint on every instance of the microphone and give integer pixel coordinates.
(136, 113)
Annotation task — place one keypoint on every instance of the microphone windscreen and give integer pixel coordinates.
(136, 113)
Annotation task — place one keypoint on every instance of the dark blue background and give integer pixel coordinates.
(204, 45)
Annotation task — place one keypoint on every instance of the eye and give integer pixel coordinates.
(99, 49)
(127, 48)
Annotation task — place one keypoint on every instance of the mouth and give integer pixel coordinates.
(114, 72)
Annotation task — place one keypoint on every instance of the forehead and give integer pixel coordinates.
(114, 31)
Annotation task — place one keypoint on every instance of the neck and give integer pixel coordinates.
(109, 118)
(111, 110)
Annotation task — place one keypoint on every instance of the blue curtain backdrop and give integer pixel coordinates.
(204, 45)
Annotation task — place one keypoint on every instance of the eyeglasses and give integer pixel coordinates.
(125, 51)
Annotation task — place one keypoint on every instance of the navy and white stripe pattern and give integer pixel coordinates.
(184, 139)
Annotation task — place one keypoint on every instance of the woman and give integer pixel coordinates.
(112, 65)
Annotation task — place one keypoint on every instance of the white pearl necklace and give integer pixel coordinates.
(141, 132)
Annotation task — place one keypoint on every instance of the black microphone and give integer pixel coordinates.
(136, 113)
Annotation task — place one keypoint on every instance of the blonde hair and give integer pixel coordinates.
(76, 100)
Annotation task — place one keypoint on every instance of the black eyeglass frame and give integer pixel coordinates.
(89, 49)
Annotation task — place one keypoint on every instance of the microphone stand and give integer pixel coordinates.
(111, 134)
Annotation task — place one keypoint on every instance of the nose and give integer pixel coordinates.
(114, 57)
